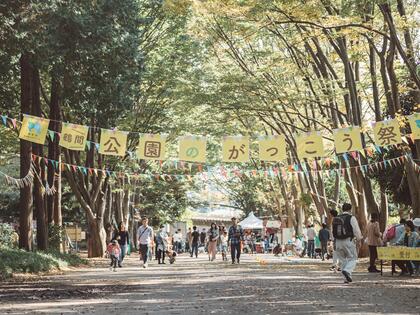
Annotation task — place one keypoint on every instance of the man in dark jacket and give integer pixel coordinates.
(324, 237)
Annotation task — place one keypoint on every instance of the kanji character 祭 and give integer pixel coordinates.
(234, 152)
(112, 145)
(386, 135)
(152, 149)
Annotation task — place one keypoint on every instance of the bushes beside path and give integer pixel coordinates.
(14, 260)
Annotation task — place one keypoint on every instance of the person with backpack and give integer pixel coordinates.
(145, 238)
(373, 234)
(346, 230)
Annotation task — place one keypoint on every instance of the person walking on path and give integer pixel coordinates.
(335, 265)
(213, 235)
(145, 240)
(195, 238)
(324, 237)
(177, 241)
(121, 235)
(235, 237)
(162, 244)
(311, 234)
(188, 241)
(203, 237)
(373, 240)
(224, 244)
(345, 230)
(114, 253)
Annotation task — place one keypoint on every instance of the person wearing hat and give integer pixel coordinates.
(235, 237)
(114, 253)
(162, 244)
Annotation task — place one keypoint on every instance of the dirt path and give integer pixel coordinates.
(260, 285)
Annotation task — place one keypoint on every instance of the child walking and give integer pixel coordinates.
(114, 251)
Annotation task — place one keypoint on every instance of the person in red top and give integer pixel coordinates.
(114, 251)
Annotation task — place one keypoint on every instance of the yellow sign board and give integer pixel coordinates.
(387, 133)
(73, 136)
(272, 148)
(310, 145)
(74, 233)
(235, 149)
(415, 125)
(192, 149)
(34, 129)
(113, 142)
(347, 139)
(398, 253)
(152, 147)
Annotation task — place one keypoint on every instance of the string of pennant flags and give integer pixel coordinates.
(192, 149)
(270, 171)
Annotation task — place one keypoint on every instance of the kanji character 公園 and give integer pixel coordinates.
(309, 143)
(386, 135)
(112, 145)
(348, 139)
(275, 150)
(234, 152)
(192, 152)
(152, 149)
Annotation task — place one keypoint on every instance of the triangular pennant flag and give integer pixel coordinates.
(13, 122)
(97, 146)
(88, 144)
(4, 118)
(51, 134)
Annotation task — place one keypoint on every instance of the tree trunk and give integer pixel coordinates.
(39, 191)
(383, 216)
(25, 200)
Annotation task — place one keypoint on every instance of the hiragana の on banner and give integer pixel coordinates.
(192, 149)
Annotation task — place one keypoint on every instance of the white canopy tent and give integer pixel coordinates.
(251, 222)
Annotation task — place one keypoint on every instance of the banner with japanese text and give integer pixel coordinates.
(347, 139)
(152, 147)
(415, 126)
(387, 132)
(73, 136)
(309, 145)
(113, 142)
(235, 149)
(34, 129)
(398, 253)
(272, 148)
(192, 149)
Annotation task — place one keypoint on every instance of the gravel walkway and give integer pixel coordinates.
(261, 284)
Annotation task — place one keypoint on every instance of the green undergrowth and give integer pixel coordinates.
(20, 261)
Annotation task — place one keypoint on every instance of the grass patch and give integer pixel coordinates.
(20, 261)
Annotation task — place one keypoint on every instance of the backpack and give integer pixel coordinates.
(391, 232)
(342, 228)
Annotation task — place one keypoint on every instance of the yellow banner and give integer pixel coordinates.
(34, 129)
(113, 142)
(387, 133)
(192, 149)
(398, 253)
(152, 147)
(73, 136)
(272, 148)
(235, 149)
(415, 126)
(310, 145)
(347, 139)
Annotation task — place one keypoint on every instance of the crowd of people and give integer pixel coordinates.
(340, 242)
